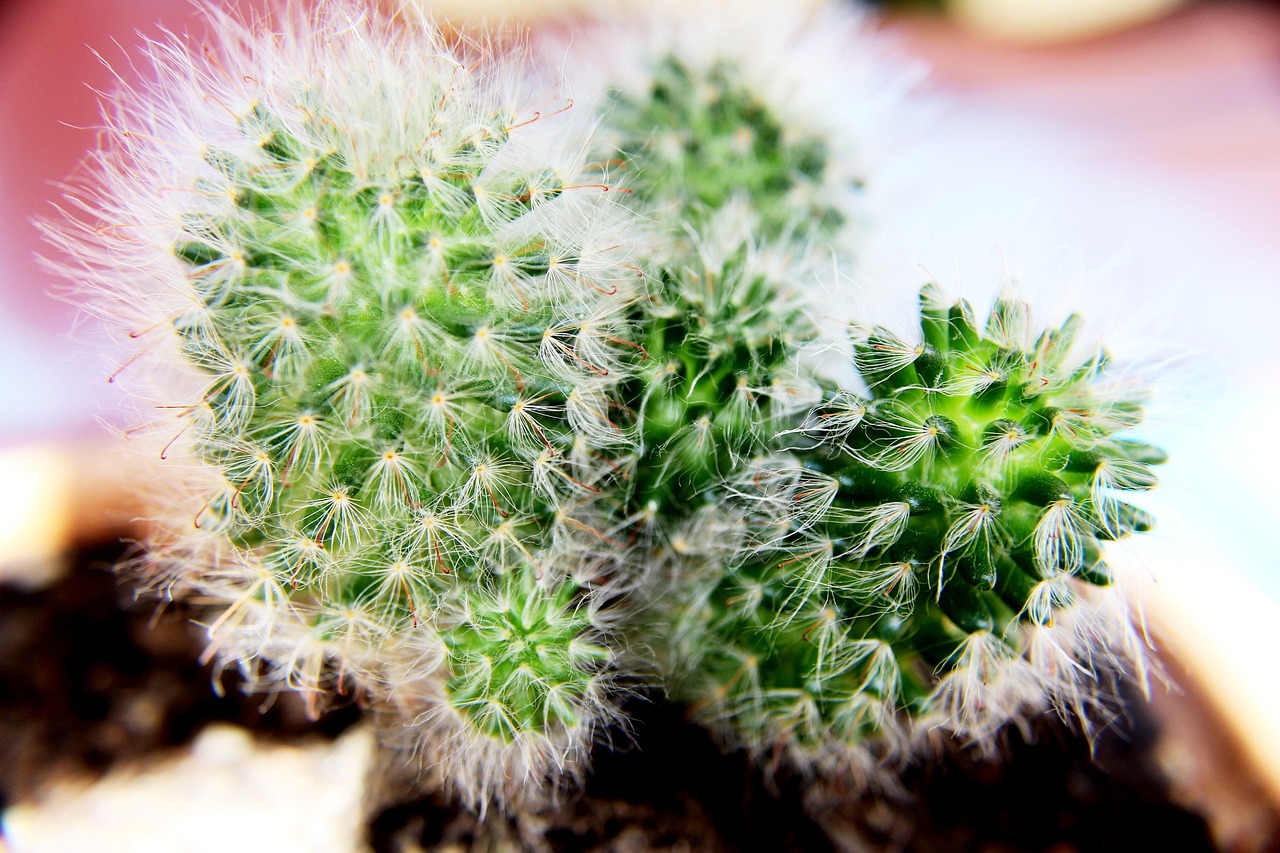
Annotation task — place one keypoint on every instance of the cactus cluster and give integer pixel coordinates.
(454, 426)
(922, 551)
(722, 329)
(779, 107)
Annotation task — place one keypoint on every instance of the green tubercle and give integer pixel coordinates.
(721, 336)
(523, 658)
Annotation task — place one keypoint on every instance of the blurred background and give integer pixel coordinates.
(1117, 156)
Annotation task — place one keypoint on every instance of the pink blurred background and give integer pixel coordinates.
(54, 57)
(1193, 99)
(1195, 96)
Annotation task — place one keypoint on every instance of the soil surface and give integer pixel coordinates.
(675, 790)
(89, 676)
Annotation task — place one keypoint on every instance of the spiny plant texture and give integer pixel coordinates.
(723, 329)
(441, 417)
(917, 558)
(778, 106)
(382, 307)
(699, 140)
(928, 554)
(744, 204)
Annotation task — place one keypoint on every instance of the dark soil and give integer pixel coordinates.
(675, 790)
(90, 677)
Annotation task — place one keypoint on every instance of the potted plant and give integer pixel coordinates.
(460, 422)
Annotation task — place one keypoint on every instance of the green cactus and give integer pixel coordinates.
(402, 307)
(885, 563)
(441, 417)
(916, 549)
(696, 140)
(740, 203)
(721, 334)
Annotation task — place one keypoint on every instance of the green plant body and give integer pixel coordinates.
(916, 548)
(384, 408)
(927, 554)
(721, 339)
(697, 140)
(449, 427)
(400, 303)
(738, 202)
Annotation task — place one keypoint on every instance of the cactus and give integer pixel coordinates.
(399, 307)
(929, 554)
(440, 417)
(700, 140)
(721, 332)
(745, 205)
(783, 107)
(839, 581)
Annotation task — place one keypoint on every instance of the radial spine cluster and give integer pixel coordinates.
(925, 556)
